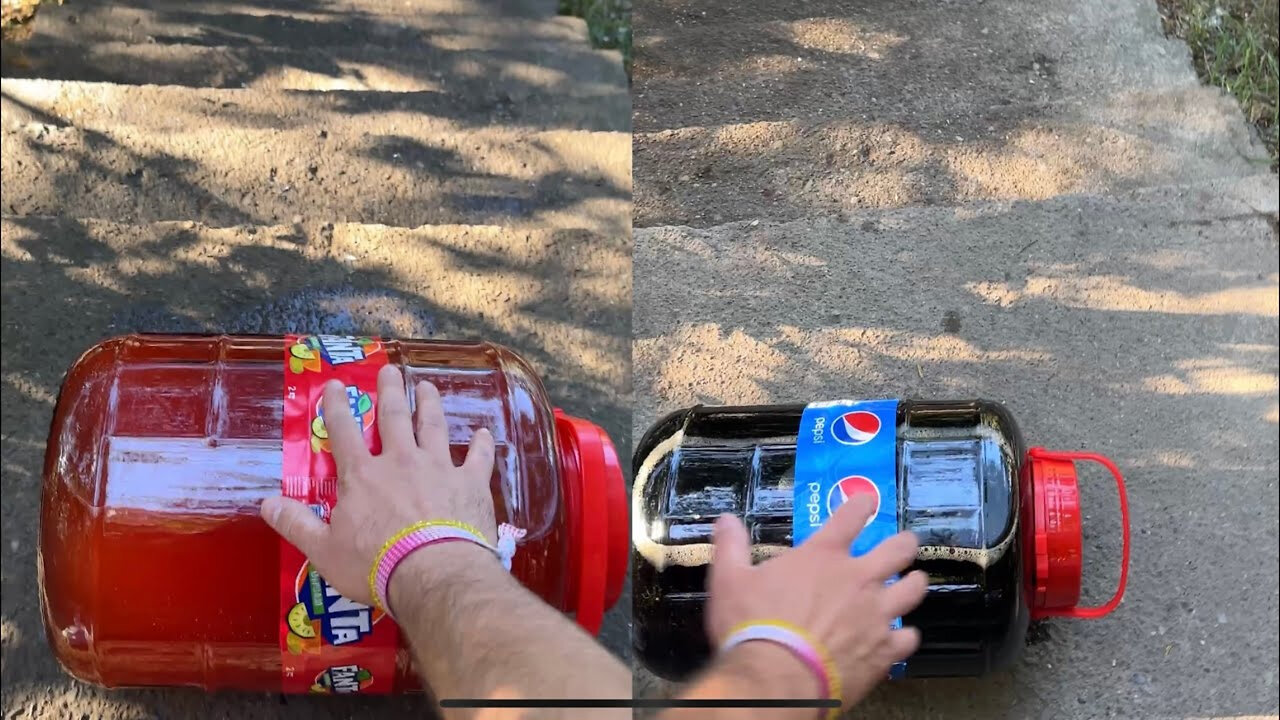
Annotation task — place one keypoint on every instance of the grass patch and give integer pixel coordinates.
(1233, 43)
(608, 21)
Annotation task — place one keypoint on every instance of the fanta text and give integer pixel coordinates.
(340, 349)
(345, 678)
(346, 621)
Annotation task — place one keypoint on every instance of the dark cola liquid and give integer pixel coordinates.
(959, 489)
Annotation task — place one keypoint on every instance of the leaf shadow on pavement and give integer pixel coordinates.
(481, 53)
(52, 162)
(780, 111)
(1161, 354)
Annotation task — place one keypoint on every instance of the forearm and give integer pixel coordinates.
(752, 671)
(476, 633)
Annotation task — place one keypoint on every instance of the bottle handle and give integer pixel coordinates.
(1096, 611)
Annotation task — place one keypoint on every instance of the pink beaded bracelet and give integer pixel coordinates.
(793, 638)
(432, 532)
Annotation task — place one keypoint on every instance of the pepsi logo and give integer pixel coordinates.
(843, 491)
(856, 427)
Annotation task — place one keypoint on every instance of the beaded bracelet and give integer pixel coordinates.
(805, 648)
(431, 532)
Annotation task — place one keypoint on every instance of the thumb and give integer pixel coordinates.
(732, 552)
(296, 523)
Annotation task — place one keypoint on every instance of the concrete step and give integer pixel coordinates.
(148, 153)
(98, 105)
(302, 24)
(544, 291)
(788, 169)
(1140, 325)
(519, 69)
(915, 103)
(561, 297)
(833, 58)
(1199, 249)
(513, 8)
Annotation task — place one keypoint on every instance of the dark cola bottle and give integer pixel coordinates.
(999, 525)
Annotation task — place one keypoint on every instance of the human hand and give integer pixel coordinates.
(411, 480)
(842, 602)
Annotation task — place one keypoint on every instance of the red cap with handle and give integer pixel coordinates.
(1055, 567)
(596, 517)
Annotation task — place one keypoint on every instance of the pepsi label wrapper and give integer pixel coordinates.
(998, 524)
(843, 449)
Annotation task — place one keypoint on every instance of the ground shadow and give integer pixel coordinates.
(347, 170)
(785, 111)
(476, 53)
(464, 116)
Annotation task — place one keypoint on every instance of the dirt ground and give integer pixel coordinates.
(1032, 202)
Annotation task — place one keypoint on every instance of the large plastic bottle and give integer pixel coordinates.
(999, 526)
(155, 568)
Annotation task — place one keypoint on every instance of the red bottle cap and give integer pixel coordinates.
(1055, 565)
(595, 501)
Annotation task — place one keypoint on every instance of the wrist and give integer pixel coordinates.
(429, 570)
(772, 671)
(755, 670)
